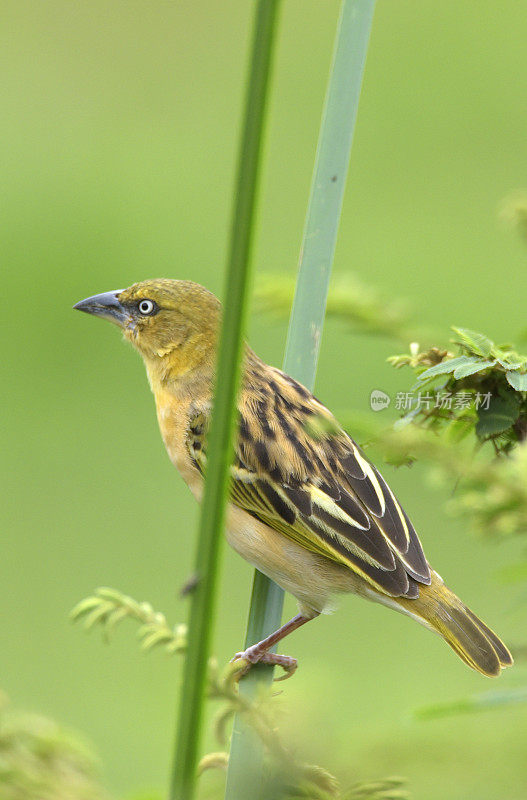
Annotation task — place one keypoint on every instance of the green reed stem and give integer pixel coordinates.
(245, 773)
(220, 440)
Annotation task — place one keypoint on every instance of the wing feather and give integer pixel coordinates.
(300, 498)
(321, 492)
(374, 547)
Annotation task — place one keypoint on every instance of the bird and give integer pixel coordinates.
(305, 507)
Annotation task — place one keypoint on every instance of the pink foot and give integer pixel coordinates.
(254, 655)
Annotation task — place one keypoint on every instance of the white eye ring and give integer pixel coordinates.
(146, 307)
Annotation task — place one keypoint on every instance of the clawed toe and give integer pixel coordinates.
(288, 664)
(253, 655)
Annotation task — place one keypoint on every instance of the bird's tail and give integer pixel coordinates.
(441, 610)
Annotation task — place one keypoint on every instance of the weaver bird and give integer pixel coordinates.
(306, 508)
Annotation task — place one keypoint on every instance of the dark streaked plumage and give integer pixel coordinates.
(306, 506)
(318, 489)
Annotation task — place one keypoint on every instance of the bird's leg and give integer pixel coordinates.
(259, 653)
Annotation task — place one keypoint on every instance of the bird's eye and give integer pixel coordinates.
(147, 307)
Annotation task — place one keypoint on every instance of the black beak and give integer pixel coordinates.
(105, 305)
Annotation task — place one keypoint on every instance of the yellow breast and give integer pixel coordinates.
(172, 417)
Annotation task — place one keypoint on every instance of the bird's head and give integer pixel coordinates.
(173, 324)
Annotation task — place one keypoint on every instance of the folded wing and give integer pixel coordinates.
(319, 490)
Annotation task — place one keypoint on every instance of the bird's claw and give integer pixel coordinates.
(253, 655)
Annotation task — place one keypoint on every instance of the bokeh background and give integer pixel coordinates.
(119, 132)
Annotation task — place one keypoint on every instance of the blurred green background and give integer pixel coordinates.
(119, 133)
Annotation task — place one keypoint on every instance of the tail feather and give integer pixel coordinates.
(441, 610)
(502, 651)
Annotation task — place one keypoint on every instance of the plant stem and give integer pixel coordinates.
(327, 189)
(245, 771)
(220, 440)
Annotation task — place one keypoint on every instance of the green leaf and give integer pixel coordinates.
(509, 360)
(459, 428)
(501, 414)
(115, 617)
(476, 365)
(518, 380)
(97, 615)
(84, 607)
(474, 341)
(444, 367)
(155, 638)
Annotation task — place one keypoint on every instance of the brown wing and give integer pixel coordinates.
(317, 489)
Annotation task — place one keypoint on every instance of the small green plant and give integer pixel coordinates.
(359, 306)
(287, 778)
(41, 760)
(482, 389)
(107, 607)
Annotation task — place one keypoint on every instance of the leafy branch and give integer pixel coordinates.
(107, 607)
(360, 306)
(287, 777)
(482, 389)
